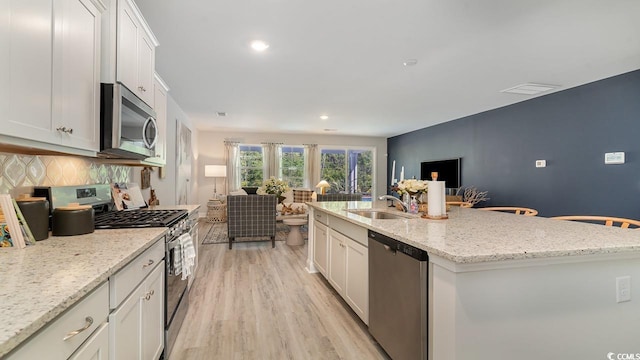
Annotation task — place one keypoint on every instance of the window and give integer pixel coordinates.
(251, 165)
(348, 170)
(293, 165)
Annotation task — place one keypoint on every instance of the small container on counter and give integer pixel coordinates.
(73, 219)
(36, 214)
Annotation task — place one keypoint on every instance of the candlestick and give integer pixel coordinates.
(393, 172)
(402, 174)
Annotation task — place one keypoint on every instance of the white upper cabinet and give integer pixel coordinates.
(50, 90)
(135, 51)
(160, 90)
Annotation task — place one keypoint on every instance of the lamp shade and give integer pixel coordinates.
(215, 170)
(323, 184)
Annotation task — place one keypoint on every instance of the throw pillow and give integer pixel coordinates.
(302, 196)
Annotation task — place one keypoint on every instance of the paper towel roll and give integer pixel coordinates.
(437, 205)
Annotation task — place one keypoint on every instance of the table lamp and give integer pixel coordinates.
(323, 184)
(215, 171)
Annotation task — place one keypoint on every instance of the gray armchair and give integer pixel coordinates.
(339, 197)
(251, 215)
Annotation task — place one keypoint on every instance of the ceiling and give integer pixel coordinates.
(345, 58)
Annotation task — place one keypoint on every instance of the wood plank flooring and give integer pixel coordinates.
(255, 302)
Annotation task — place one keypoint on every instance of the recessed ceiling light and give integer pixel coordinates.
(259, 45)
(410, 62)
(330, 129)
(324, 117)
(221, 113)
(530, 89)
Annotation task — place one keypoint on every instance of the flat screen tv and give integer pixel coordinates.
(448, 171)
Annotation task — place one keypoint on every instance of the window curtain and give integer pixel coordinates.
(311, 166)
(271, 160)
(232, 159)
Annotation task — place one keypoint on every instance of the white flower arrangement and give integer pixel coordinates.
(411, 186)
(273, 186)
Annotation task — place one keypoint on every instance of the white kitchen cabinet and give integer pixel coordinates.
(63, 336)
(195, 234)
(136, 326)
(338, 261)
(340, 253)
(135, 51)
(321, 247)
(96, 347)
(357, 282)
(136, 298)
(51, 100)
(160, 90)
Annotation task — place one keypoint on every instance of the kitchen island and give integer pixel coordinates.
(507, 286)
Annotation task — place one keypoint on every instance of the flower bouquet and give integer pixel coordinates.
(411, 187)
(273, 186)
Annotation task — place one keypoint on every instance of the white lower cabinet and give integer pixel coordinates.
(357, 284)
(68, 333)
(338, 261)
(136, 321)
(321, 248)
(96, 347)
(349, 272)
(136, 326)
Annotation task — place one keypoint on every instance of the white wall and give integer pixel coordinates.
(166, 188)
(211, 152)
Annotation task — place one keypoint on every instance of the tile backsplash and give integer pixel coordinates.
(19, 173)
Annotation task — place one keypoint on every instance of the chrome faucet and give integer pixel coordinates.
(405, 206)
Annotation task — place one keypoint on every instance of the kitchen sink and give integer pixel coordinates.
(376, 214)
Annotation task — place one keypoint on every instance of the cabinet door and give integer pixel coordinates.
(357, 284)
(160, 107)
(337, 261)
(153, 315)
(125, 327)
(27, 59)
(320, 248)
(96, 347)
(127, 47)
(76, 75)
(146, 66)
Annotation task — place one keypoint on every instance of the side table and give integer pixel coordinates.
(216, 211)
(295, 237)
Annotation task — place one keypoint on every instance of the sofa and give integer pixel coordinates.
(251, 216)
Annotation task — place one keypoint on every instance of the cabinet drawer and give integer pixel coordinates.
(355, 232)
(123, 282)
(50, 343)
(320, 216)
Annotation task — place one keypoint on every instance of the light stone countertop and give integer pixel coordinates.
(472, 236)
(42, 281)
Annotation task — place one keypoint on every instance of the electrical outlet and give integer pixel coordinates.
(623, 289)
(614, 158)
(541, 163)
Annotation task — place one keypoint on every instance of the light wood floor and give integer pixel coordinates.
(255, 302)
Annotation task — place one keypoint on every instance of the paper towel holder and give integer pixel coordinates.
(425, 215)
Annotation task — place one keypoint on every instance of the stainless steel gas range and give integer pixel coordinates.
(176, 299)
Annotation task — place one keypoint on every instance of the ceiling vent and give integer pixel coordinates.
(221, 113)
(529, 89)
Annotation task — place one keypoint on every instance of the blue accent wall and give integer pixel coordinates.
(570, 129)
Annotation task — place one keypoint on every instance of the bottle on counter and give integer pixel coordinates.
(414, 205)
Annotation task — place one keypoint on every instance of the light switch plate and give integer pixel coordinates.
(541, 163)
(614, 158)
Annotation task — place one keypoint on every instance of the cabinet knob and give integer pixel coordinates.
(64, 129)
(141, 88)
(147, 264)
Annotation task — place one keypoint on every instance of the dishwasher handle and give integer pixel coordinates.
(395, 246)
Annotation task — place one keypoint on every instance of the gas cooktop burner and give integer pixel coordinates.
(138, 218)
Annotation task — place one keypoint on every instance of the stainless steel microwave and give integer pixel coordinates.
(128, 128)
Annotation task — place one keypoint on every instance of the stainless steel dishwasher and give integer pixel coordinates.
(398, 297)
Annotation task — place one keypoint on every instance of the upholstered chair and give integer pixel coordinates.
(251, 216)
